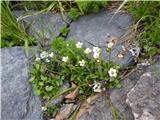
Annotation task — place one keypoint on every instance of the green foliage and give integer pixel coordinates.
(84, 7)
(73, 13)
(12, 33)
(50, 109)
(48, 76)
(64, 31)
(90, 6)
(38, 5)
(147, 14)
(75, 8)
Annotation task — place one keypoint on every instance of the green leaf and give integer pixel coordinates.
(57, 83)
(26, 47)
(152, 51)
(37, 66)
(43, 78)
(73, 13)
(41, 83)
(36, 91)
(64, 30)
(49, 88)
(116, 81)
(108, 49)
(31, 79)
(81, 91)
(118, 86)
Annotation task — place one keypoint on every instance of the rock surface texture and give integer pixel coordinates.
(43, 26)
(144, 97)
(93, 29)
(137, 99)
(104, 108)
(17, 99)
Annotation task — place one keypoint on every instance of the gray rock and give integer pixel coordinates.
(118, 97)
(18, 101)
(102, 109)
(65, 111)
(93, 28)
(45, 25)
(144, 97)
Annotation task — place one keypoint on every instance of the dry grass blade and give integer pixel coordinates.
(74, 114)
(123, 3)
(36, 13)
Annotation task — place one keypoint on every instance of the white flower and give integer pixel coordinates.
(96, 55)
(47, 60)
(87, 51)
(51, 54)
(37, 59)
(79, 44)
(82, 63)
(67, 44)
(65, 59)
(44, 108)
(98, 61)
(96, 50)
(112, 72)
(97, 87)
(135, 51)
(44, 54)
(110, 44)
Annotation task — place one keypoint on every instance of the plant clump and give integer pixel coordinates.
(147, 20)
(71, 62)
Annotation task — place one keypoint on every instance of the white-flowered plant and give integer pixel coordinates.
(51, 54)
(135, 51)
(79, 44)
(88, 50)
(65, 59)
(112, 72)
(96, 50)
(44, 54)
(98, 61)
(82, 63)
(47, 60)
(110, 44)
(37, 59)
(44, 108)
(96, 55)
(97, 87)
(67, 63)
